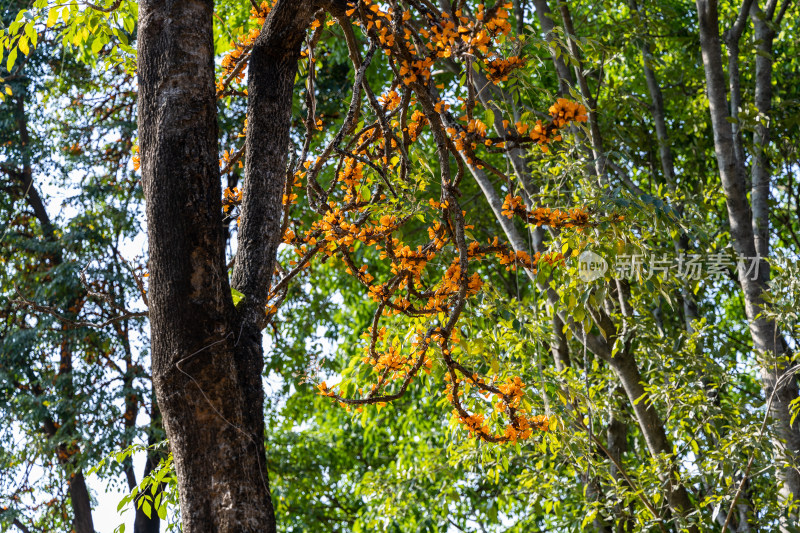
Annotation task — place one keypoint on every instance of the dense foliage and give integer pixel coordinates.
(438, 358)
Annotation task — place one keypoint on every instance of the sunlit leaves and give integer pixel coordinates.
(89, 30)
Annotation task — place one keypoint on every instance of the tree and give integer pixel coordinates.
(750, 220)
(207, 355)
(386, 201)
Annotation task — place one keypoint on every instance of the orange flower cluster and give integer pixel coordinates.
(392, 359)
(260, 15)
(450, 36)
(499, 69)
(544, 216)
(351, 176)
(473, 129)
(474, 424)
(416, 71)
(390, 100)
(232, 63)
(418, 121)
(447, 36)
(509, 395)
(542, 134)
(512, 259)
(524, 427)
(229, 157)
(231, 197)
(565, 111)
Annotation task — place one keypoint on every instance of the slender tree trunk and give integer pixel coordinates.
(559, 345)
(545, 17)
(764, 35)
(623, 363)
(81, 505)
(768, 342)
(78, 493)
(142, 523)
(617, 438)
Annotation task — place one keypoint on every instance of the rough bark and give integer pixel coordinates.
(81, 505)
(759, 195)
(219, 454)
(207, 356)
(732, 38)
(617, 438)
(559, 345)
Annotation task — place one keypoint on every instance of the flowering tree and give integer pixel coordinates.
(380, 189)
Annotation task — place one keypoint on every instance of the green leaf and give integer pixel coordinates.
(122, 503)
(12, 58)
(97, 45)
(588, 518)
(52, 17)
(30, 32)
(129, 24)
(237, 296)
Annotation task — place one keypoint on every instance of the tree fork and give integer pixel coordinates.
(206, 354)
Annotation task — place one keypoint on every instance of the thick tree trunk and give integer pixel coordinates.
(207, 357)
(215, 430)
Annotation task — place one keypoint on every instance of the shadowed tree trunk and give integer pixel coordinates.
(207, 357)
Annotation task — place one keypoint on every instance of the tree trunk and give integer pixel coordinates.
(768, 342)
(207, 357)
(545, 17)
(216, 432)
(143, 523)
(78, 492)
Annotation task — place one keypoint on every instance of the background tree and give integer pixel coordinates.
(73, 379)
